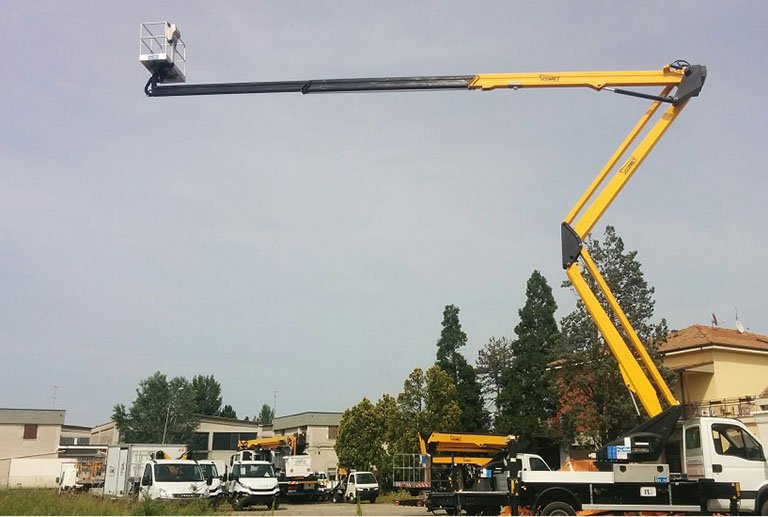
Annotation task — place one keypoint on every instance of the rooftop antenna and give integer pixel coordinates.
(274, 404)
(714, 320)
(55, 388)
(739, 325)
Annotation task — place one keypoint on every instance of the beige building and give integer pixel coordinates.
(28, 434)
(722, 372)
(216, 438)
(320, 429)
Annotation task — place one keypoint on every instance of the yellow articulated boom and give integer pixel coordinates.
(678, 83)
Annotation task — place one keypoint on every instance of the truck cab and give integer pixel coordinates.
(172, 479)
(253, 482)
(724, 449)
(216, 483)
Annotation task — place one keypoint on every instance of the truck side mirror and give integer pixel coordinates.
(146, 481)
(208, 480)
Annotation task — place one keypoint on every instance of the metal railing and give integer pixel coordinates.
(732, 408)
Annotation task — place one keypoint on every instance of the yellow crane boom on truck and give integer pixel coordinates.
(678, 83)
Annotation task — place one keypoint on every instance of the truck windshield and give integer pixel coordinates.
(178, 472)
(365, 478)
(254, 471)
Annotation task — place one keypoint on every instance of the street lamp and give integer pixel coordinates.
(168, 412)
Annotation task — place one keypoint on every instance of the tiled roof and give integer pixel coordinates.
(704, 336)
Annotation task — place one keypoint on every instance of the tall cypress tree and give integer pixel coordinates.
(452, 338)
(527, 398)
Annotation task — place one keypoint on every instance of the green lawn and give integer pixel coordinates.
(20, 501)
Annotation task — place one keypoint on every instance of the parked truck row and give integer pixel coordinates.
(254, 476)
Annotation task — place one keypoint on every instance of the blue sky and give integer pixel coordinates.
(307, 245)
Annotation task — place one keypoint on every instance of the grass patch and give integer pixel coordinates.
(391, 497)
(22, 501)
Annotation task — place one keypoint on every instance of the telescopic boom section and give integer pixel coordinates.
(678, 81)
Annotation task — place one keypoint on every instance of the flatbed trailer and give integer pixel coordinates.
(628, 488)
(625, 488)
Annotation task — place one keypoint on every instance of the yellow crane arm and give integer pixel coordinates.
(272, 442)
(678, 81)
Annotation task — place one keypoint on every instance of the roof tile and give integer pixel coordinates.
(704, 336)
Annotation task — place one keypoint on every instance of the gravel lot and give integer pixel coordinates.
(336, 509)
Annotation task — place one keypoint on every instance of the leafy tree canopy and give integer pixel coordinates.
(163, 412)
(492, 360)
(227, 412)
(207, 393)
(265, 415)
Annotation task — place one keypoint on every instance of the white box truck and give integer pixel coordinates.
(126, 462)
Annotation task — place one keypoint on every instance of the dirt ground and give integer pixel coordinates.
(337, 509)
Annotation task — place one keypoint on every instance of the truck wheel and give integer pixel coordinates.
(764, 508)
(337, 498)
(558, 508)
(275, 504)
(238, 502)
(373, 500)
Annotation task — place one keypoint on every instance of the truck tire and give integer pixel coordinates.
(558, 508)
(373, 500)
(764, 507)
(238, 502)
(275, 503)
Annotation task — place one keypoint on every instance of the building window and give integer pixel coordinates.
(200, 442)
(228, 441)
(30, 431)
(332, 429)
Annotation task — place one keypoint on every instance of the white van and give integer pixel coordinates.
(361, 486)
(172, 479)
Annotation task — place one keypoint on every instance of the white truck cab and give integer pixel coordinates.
(172, 479)
(253, 482)
(724, 449)
(211, 472)
(361, 486)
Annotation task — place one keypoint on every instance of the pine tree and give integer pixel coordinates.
(492, 361)
(452, 338)
(527, 398)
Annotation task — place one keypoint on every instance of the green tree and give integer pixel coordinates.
(265, 415)
(527, 398)
(163, 412)
(462, 374)
(227, 412)
(207, 393)
(359, 437)
(594, 407)
(492, 360)
(442, 403)
(428, 403)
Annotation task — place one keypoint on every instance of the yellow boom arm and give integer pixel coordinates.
(678, 81)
